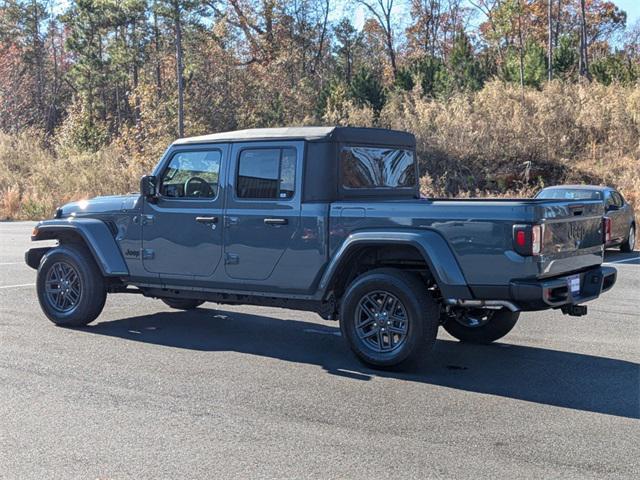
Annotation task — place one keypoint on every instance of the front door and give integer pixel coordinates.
(263, 207)
(182, 228)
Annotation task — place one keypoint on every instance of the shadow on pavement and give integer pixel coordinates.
(564, 379)
(614, 255)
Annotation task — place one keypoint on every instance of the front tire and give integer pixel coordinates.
(182, 303)
(480, 326)
(71, 288)
(630, 243)
(389, 318)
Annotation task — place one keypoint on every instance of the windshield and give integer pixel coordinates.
(569, 194)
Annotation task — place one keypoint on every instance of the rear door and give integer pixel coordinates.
(181, 230)
(262, 213)
(614, 210)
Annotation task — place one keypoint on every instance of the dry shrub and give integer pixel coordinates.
(35, 180)
(495, 142)
(499, 140)
(10, 205)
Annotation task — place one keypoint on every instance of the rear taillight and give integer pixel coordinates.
(527, 239)
(536, 239)
(606, 229)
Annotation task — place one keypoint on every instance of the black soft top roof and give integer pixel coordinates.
(365, 136)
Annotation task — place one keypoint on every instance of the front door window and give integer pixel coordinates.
(192, 175)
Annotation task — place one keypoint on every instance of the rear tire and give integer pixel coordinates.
(389, 318)
(182, 303)
(70, 286)
(497, 326)
(630, 243)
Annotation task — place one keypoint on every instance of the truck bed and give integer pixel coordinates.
(480, 232)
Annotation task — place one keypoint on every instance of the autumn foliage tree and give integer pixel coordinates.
(93, 72)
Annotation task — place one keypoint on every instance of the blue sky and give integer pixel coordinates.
(358, 14)
(632, 7)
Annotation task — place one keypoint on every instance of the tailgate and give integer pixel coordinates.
(572, 236)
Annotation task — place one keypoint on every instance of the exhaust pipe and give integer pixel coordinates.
(491, 304)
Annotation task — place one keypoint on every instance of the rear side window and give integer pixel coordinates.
(368, 167)
(266, 173)
(609, 201)
(617, 199)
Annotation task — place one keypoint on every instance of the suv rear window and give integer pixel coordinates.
(369, 167)
(569, 194)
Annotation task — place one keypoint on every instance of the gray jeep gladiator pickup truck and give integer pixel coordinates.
(323, 219)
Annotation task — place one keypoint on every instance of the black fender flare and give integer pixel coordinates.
(96, 236)
(431, 244)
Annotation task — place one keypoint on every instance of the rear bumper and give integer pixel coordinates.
(556, 292)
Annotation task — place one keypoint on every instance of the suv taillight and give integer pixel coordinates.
(527, 239)
(606, 229)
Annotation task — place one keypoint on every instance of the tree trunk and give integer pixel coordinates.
(156, 41)
(550, 39)
(179, 67)
(584, 54)
(521, 49)
(38, 53)
(53, 99)
(136, 50)
(117, 92)
(389, 32)
(556, 33)
(322, 37)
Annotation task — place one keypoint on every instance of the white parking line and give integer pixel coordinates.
(12, 263)
(17, 286)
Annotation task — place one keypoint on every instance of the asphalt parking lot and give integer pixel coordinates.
(249, 392)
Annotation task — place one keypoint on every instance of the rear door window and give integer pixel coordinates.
(369, 167)
(266, 173)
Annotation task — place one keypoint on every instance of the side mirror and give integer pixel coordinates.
(612, 208)
(148, 186)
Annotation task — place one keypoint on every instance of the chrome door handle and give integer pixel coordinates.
(207, 219)
(276, 221)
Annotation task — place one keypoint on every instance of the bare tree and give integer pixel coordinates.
(428, 17)
(550, 39)
(381, 11)
(556, 33)
(177, 22)
(521, 47)
(323, 35)
(487, 8)
(157, 54)
(584, 54)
